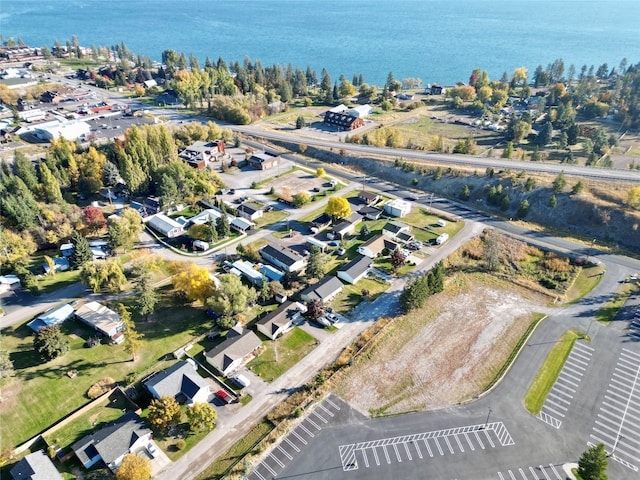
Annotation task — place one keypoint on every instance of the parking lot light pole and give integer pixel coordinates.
(486, 423)
(615, 445)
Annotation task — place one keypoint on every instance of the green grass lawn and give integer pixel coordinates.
(586, 281)
(187, 213)
(288, 349)
(270, 217)
(608, 312)
(97, 417)
(218, 469)
(46, 389)
(548, 373)
(351, 295)
(384, 264)
(50, 283)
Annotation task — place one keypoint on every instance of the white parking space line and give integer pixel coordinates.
(406, 447)
(489, 439)
(448, 445)
(364, 457)
(459, 444)
(301, 426)
(438, 445)
(299, 437)
(375, 456)
(277, 460)
(395, 447)
(511, 475)
(428, 447)
(265, 465)
(257, 474)
(479, 440)
(313, 423)
(286, 454)
(293, 445)
(415, 444)
(332, 404)
(469, 442)
(522, 473)
(317, 415)
(544, 472)
(386, 455)
(500, 475)
(555, 471)
(327, 411)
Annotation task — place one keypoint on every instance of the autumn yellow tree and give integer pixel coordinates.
(16, 248)
(164, 412)
(134, 467)
(193, 282)
(320, 172)
(633, 197)
(338, 207)
(201, 416)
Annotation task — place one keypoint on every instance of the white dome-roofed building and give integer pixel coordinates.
(70, 130)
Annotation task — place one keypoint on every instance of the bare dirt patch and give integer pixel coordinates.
(419, 364)
(296, 182)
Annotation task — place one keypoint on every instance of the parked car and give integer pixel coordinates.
(341, 251)
(332, 317)
(224, 396)
(334, 243)
(241, 380)
(323, 322)
(153, 450)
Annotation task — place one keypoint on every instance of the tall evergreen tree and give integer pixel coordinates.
(81, 251)
(593, 463)
(222, 226)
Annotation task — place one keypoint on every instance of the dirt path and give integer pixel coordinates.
(421, 365)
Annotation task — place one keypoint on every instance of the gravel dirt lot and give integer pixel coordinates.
(420, 365)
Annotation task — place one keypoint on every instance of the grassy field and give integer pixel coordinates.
(607, 313)
(548, 373)
(280, 355)
(217, 469)
(97, 417)
(45, 387)
(587, 280)
(351, 295)
(270, 217)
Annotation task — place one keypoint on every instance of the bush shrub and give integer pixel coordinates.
(180, 444)
(101, 387)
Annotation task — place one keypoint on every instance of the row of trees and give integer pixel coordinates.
(419, 289)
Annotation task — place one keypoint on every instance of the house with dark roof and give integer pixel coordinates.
(250, 212)
(376, 245)
(343, 121)
(322, 221)
(370, 213)
(347, 225)
(394, 229)
(35, 466)
(279, 321)
(180, 381)
(325, 290)
(283, 257)
(152, 205)
(128, 434)
(263, 161)
(234, 351)
(355, 270)
(200, 153)
(369, 198)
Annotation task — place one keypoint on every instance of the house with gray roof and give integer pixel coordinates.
(355, 270)
(325, 290)
(283, 257)
(277, 322)
(180, 381)
(232, 353)
(248, 211)
(35, 466)
(128, 434)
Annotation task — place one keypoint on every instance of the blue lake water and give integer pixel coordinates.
(436, 40)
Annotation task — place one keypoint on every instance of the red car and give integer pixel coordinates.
(224, 396)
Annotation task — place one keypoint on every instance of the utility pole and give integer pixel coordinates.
(486, 423)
